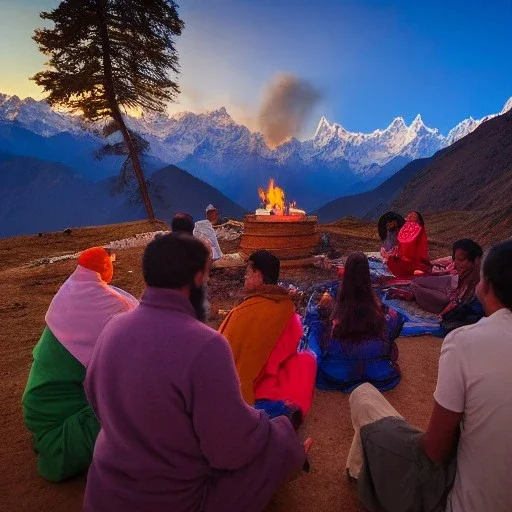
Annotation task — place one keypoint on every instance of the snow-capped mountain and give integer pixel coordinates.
(507, 107)
(229, 156)
(175, 138)
(37, 116)
(468, 125)
(363, 150)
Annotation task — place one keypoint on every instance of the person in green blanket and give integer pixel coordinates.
(55, 408)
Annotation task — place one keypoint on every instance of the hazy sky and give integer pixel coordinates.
(372, 60)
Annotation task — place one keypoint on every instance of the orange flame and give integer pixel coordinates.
(274, 196)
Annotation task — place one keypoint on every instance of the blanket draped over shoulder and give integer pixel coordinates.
(253, 328)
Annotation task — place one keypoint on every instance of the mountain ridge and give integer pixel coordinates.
(230, 157)
(475, 173)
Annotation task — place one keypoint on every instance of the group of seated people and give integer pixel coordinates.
(177, 415)
(448, 291)
(405, 246)
(164, 413)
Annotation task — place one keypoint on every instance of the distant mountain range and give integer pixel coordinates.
(227, 155)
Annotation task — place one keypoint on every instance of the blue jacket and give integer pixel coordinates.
(344, 366)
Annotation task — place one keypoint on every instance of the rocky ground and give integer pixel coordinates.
(28, 282)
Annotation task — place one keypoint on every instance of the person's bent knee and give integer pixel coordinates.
(66, 450)
(361, 390)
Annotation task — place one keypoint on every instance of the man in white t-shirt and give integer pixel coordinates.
(473, 398)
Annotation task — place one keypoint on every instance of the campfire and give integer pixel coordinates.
(280, 227)
(274, 202)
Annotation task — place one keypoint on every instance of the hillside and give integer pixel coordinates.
(179, 191)
(38, 196)
(369, 203)
(473, 174)
(74, 150)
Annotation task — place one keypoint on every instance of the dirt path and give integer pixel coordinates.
(25, 295)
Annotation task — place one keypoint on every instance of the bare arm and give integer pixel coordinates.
(442, 433)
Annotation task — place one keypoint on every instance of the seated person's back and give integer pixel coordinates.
(175, 432)
(204, 230)
(475, 380)
(182, 223)
(55, 408)
(356, 342)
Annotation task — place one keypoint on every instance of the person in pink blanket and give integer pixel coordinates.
(55, 408)
(264, 333)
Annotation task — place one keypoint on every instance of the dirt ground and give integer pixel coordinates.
(26, 291)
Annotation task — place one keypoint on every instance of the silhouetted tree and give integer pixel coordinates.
(126, 181)
(108, 54)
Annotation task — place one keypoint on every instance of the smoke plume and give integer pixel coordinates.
(287, 103)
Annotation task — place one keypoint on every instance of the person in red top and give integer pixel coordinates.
(412, 257)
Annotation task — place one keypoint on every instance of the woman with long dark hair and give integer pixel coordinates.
(359, 337)
(412, 254)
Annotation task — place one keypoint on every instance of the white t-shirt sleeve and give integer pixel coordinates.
(450, 391)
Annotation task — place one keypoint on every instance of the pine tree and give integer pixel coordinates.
(105, 55)
(127, 181)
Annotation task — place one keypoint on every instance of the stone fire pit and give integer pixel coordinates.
(292, 238)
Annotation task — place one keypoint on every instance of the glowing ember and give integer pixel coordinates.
(273, 202)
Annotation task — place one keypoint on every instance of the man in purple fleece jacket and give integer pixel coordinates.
(176, 434)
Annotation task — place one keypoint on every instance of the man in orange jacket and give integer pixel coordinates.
(264, 332)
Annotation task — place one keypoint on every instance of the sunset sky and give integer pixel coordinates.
(372, 60)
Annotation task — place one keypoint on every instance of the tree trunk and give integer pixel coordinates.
(116, 111)
(137, 168)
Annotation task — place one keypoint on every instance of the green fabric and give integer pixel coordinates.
(56, 411)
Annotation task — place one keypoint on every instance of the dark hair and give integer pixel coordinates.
(172, 261)
(268, 264)
(420, 218)
(182, 222)
(470, 247)
(497, 270)
(383, 222)
(357, 311)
